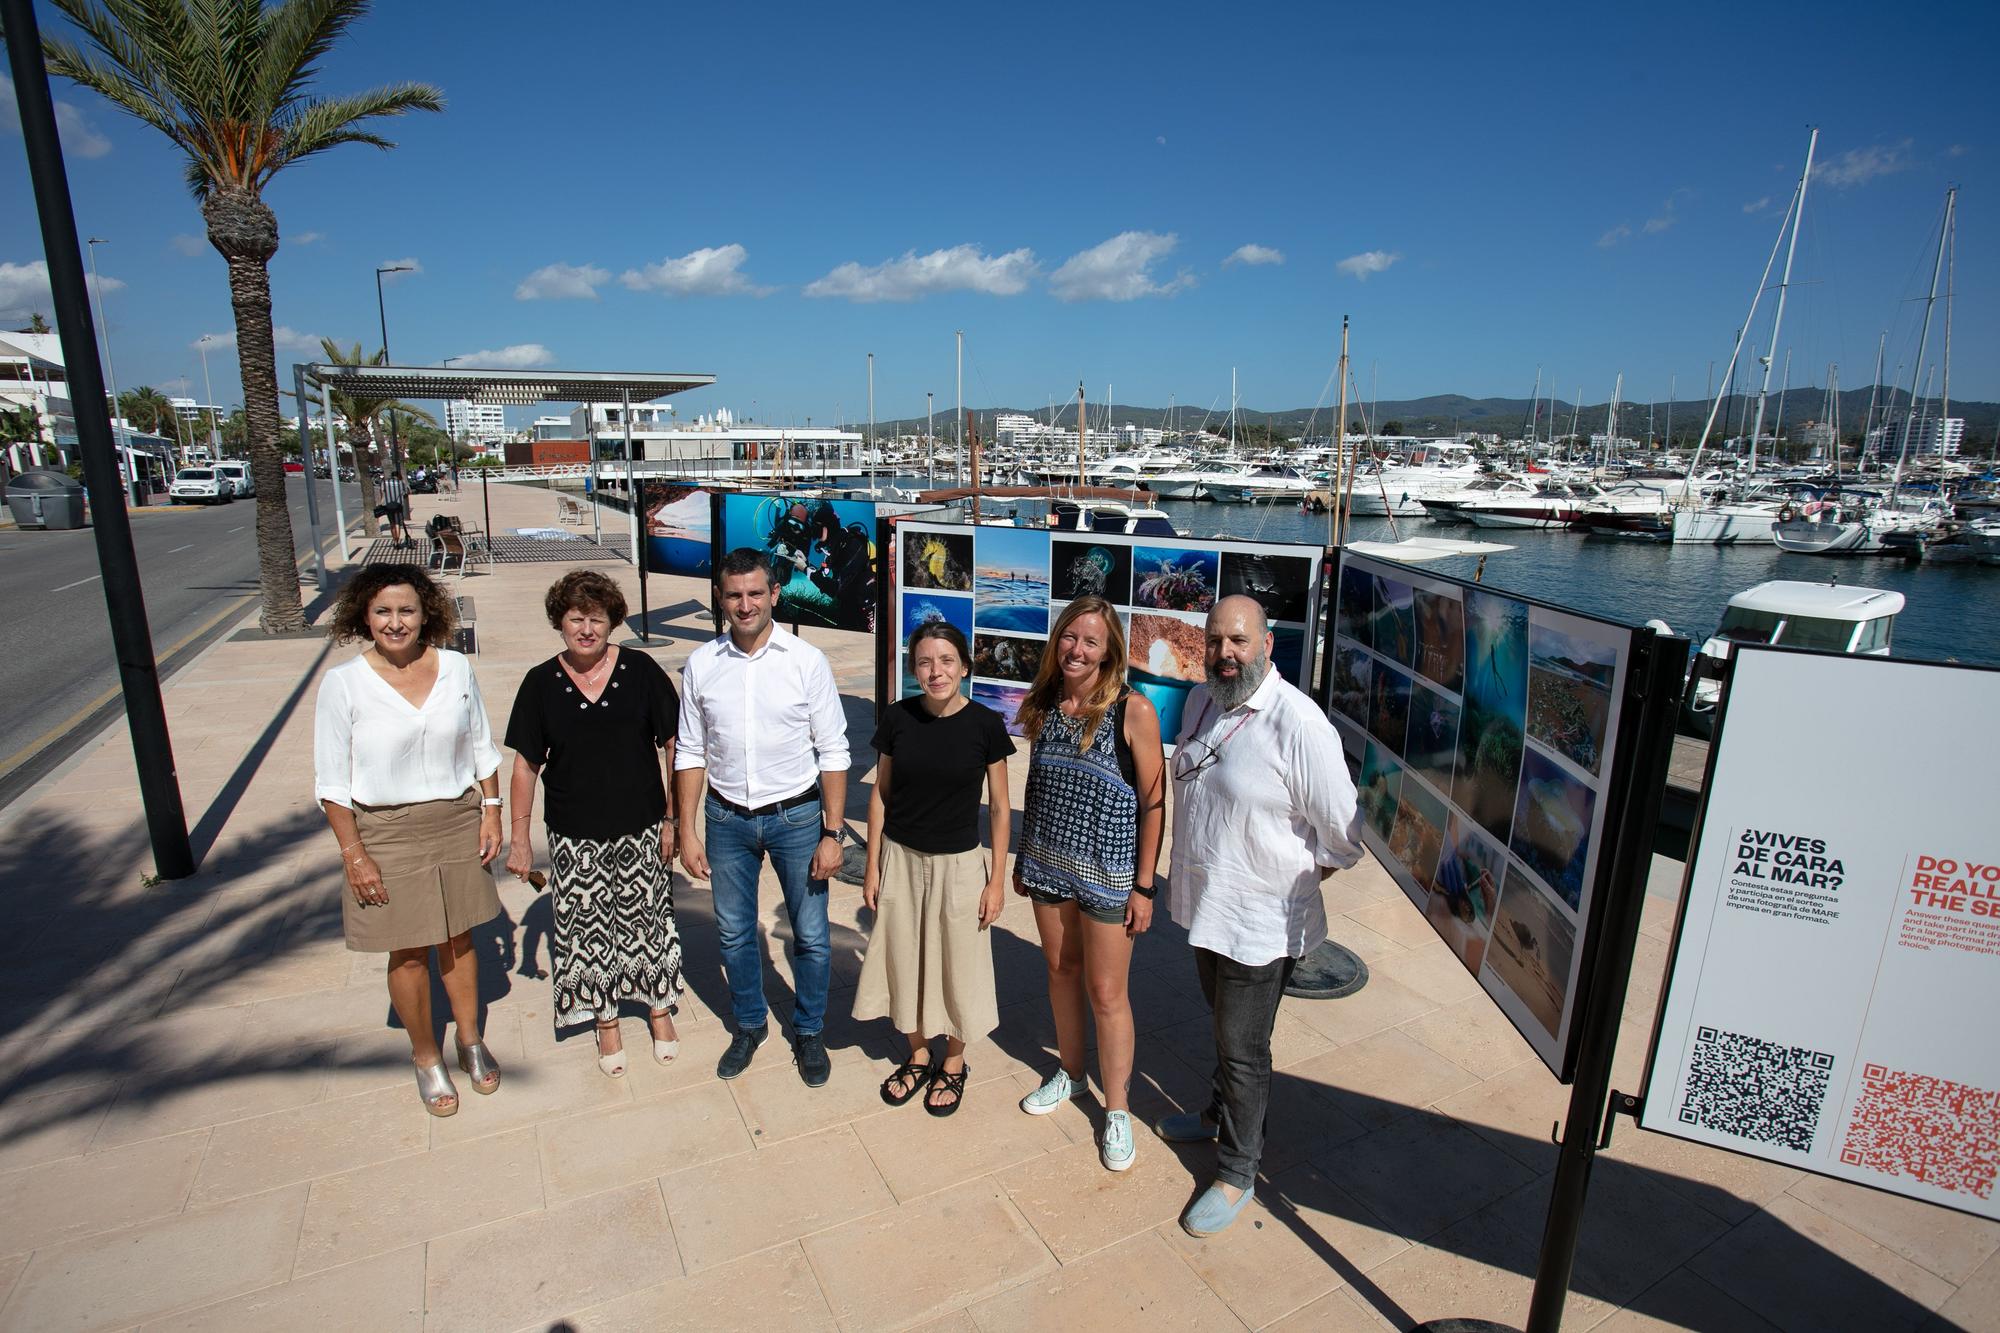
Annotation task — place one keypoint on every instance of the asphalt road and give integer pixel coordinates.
(58, 676)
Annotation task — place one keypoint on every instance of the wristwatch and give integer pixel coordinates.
(834, 833)
(491, 800)
(1145, 890)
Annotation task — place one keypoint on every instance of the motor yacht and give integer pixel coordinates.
(1825, 617)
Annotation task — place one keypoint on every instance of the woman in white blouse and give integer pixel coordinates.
(409, 777)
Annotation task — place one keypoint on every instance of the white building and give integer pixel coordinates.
(1945, 437)
(1017, 430)
(32, 376)
(475, 423)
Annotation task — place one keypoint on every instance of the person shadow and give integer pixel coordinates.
(493, 948)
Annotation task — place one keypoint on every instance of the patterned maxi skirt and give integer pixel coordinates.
(614, 932)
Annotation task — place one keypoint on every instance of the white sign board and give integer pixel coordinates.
(1837, 965)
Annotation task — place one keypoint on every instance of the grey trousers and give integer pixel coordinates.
(1245, 1003)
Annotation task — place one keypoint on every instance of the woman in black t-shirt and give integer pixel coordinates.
(594, 723)
(929, 967)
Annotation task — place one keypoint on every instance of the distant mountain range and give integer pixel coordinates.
(1444, 414)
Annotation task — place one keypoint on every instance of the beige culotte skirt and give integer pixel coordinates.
(929, 967)
(429, 855)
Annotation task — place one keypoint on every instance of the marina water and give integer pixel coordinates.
(1952, 611)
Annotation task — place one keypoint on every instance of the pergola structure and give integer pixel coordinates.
(506, 388)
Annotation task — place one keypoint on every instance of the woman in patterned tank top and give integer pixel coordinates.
(1092, 820)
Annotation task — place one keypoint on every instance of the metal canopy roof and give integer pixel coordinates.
(509, 388)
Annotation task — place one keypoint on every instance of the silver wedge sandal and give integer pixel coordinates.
(479, 1064)
(433, 1085)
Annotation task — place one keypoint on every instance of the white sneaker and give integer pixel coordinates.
(1056, 1089)
(1116, 1148)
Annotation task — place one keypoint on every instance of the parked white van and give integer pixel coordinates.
(200, 485)
(237, 473)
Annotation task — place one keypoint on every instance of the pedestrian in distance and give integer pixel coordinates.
(1091, 822)
(929, 966)
(395, 507)
(1264, 812)
(409, 778)
(763, 754)
(594, 724)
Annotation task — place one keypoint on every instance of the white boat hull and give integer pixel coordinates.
(1804, 536)
(1724, 525)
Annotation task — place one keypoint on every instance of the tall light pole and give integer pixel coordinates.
(453, 434)
(214, 444)
(111, 374)
(381, 313)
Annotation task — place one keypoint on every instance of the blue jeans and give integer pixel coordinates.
(736, 850)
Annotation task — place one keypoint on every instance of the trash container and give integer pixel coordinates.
(45, 500)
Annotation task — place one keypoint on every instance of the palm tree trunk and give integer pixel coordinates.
(245, 231)
(361, 438)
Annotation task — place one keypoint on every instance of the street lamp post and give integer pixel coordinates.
(214, 444)
(125, 459)
(381, 314)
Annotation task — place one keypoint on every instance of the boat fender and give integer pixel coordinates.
(1787, 514)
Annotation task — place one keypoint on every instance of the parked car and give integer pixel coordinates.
(294, 465)
(237, 474)
(201, 485)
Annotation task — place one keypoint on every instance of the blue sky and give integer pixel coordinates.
(735, 190)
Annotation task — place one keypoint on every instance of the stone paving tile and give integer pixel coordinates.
(773, 1291)
(1432, 971)
(1516, 1110)
(1302, 1237)
(1976, 1305)
(1134, 1284)
(10, 1272)
(1474, 1035)
(975, 1241)
(537, 1266)
(584, 1154)
(1952, 1245)
(531, 1091)
(1078, 1208)
(724, 1210)
(251, 1156)
(1682, 1300)
(152, 1107)
(1336, 1312)
(42, 1129)
(1799, 1268)
(1376, 1007)
(1396, 919)
(81, 1196)
(383, 1293)
(777, 1105)
(1370, 946)
(1423, 1173)
(387, 1206)
(1381, 1079)
(198, 1258)
(919, 1153)
(1481, 1267)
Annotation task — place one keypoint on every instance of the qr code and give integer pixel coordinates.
(1930, 1129)
(1756, 1089)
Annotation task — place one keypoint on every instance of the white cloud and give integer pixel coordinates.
(191, 246)
(562, 282)
(1619, 233)
(24, 288)
(1957, 150)
(1757, 205)
(1857, 166)
(518, 356)
(1254, 254)
(1160, 139)
(1654, 226)
(963, 268)
(308, 237)
(1119, 269)
(1361, 266)
(709, 271)
(411, 266)
(79, 137)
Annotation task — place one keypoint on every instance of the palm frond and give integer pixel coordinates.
(297, 35)
(322, 125)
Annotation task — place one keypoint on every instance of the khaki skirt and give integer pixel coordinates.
(929, 967)
(429, 855)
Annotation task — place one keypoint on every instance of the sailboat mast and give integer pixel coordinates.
(1534, 407)
(1611, 420)
(1784, 385)
(1341, 470)
(1082, 433)
(1923, 341)
(958, 469)
(1874, 395)
(1670, 411)
(1785, 282)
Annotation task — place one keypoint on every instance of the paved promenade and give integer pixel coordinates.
(208, 1122)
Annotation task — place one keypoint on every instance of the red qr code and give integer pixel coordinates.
(1944, 1134)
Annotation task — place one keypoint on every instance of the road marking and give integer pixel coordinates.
(78, 584)
(237, 528)
(178, 549)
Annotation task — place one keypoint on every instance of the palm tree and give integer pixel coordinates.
(362, 413)
(146, 408)
(228, 81)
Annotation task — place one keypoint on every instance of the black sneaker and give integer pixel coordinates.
(809, 1054)
(741, 1047)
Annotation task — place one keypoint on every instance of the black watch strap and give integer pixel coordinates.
(833, 833)
(1147, 892)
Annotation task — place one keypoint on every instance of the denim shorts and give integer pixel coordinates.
(1110, 916)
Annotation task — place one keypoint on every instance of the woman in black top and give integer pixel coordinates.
(594, 722)
(929, 967)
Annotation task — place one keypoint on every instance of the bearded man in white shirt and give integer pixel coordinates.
(1264, 812)
(763, 733)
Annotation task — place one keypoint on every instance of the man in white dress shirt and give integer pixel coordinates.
(763, 732)
(1263, 812)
